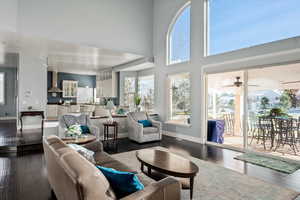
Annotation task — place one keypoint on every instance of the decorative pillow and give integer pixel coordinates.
(146, 123)
(89, 155)
(69, 120)
(122, 183)
(85, 129)
(74, 130)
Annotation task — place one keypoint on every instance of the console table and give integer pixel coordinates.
(32, 114)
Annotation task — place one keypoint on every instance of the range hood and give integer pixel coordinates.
(54, 88)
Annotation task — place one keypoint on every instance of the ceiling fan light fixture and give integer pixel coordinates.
(238, 83)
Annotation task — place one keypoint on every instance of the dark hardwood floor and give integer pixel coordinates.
(24, 176)
(8, 133)
(11, 137)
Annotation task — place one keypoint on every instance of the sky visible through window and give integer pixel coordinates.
(180, 38)
(236, 24)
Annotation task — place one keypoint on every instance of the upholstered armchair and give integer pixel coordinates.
(140, 134)
(66, 121)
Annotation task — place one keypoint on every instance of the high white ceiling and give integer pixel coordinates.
(67, 57)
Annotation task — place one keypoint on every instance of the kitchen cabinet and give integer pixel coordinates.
(70, 89)
(52, 111)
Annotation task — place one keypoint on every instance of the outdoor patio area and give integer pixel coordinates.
(271, 113)
(283, 151)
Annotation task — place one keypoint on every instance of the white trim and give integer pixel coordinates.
(184, 137)
(245, 109)
(177, 124)
(7, 118)
(28, 127)
(216, 65)
(204, 109)
(206, 28)
(3, 88)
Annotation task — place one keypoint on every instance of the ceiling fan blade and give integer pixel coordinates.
(253, 85)
(290, 82)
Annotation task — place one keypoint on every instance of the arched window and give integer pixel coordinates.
(178, 38)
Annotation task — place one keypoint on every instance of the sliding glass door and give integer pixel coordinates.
(225, 108)
(274, 110)
(256, 109)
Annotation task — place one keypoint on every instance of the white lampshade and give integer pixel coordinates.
(110, 105)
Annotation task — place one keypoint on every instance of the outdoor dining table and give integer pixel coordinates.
(215, 131)
(277, 126)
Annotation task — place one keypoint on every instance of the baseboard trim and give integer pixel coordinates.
(184, 137)
(27, 127)
(7, 118)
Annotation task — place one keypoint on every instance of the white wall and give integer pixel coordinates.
(32, 83)
(146, 72)
(8, 15)
(164, 11)
(124, 25)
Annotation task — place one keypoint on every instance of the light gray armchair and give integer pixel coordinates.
(140, 134)
(66, 121)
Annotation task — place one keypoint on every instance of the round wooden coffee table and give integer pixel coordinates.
(79, 140)
(168, 163)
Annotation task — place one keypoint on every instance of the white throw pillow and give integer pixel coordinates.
(88, 154)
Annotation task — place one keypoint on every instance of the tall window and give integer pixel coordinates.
(146, 92)
(237, 24)
(179, 98)
(2, 90)
(129, 91)
(179, 37)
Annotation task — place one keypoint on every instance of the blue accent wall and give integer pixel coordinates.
(9, 107)
(83, 81)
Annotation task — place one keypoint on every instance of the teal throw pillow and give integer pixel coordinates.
(146, 123)
(85, 129)
(122, 183)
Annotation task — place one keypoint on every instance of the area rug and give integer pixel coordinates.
(216, 182)
(272, 163)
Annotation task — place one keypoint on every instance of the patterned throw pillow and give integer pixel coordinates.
(89, 155)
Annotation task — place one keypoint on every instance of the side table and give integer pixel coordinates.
(106, 126)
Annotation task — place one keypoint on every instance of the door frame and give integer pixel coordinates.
(244, 110)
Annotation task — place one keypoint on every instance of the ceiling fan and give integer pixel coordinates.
(238, 83)
(290, 82)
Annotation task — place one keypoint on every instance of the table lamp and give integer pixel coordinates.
(110, 106)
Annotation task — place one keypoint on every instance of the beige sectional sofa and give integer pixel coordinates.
(71, 176)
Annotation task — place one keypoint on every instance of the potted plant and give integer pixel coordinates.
(137, 102)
